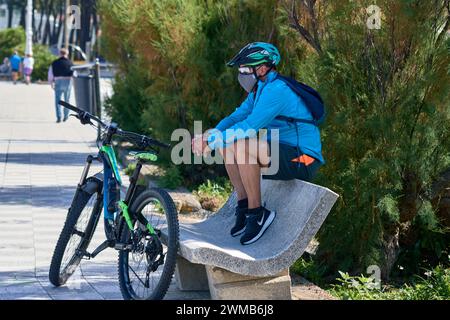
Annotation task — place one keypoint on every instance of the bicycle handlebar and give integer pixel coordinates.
(141, 140)
(83, 116)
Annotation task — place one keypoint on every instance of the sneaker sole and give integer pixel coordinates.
(263, 229)
(238, 232)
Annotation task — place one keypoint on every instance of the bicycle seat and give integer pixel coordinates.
(143, 156)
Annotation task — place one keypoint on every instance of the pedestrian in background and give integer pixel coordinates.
(28, 64)
(5, 67)
(15, 62)
(59, 76)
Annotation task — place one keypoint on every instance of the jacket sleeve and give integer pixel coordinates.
(270, 104)
(239, 114)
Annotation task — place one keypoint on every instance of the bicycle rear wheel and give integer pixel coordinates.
(81, 221)
(146, 269)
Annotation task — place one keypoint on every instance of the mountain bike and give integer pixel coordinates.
(133, 226)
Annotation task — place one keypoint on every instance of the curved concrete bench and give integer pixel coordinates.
(301, 209)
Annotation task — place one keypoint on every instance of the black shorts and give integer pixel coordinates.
(289, 169)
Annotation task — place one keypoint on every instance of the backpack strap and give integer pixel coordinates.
(296, 120)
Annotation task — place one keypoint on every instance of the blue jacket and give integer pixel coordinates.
(15, 61)
(273, 98)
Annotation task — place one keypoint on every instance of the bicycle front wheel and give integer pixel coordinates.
(81, 221)
(146, 268)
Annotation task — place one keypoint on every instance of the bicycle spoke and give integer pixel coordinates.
(142, 281)
(78, 234)
(136, 275)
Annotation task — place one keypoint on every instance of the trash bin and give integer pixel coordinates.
(84, 92)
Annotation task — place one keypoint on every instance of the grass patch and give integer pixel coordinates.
(213, 194)
(434, 286)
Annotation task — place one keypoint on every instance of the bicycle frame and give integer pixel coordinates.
(111, 172)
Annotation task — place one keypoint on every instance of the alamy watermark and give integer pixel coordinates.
(73, 17)
(231, 147)
(374, 20)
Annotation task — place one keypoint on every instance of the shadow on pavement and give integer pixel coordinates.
(38, 196)
(47, 159)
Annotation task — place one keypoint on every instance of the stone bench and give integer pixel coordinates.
(209, 258)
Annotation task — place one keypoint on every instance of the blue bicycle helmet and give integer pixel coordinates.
(256, 53)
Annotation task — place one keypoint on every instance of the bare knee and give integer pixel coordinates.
(252, 151)
(228, 154)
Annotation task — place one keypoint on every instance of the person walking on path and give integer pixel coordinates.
(15, 61)
(59, 77)
(28, 64)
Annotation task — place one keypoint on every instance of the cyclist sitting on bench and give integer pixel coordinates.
(299, 145)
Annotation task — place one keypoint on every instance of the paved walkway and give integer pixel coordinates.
(40, 164)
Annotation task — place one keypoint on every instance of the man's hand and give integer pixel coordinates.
(199, 145)
(52, 85)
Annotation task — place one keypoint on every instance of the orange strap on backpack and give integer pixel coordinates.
(304, 158)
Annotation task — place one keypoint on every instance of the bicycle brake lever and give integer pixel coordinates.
(84, 118)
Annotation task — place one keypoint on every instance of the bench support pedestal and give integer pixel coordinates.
(226, 285)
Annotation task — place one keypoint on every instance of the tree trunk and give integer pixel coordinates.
(391, 250)
(22, 17)
(41, 19)
(10, 13)
(54, 37)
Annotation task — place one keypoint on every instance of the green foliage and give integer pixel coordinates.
(10, 40)
(130, 169)
(172, 58)
(386, 138)
(434, 286)
(129, 100)
(171, 178)
(14, 39)
(42, 61)
(220, 188)
(310, 270)
(213, 194)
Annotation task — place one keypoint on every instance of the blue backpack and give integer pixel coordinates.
(310, 97)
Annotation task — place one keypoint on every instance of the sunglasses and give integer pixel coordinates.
(246, 70)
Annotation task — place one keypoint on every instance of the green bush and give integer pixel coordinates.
(171, 178)
(14, 39)
(434, 286)
(42, 61)
(386, 138)
(219, 188)
(213, 194)
(309, 269)
(10, 40)
(129, 99)
(130, 169)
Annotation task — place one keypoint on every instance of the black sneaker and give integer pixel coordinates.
(257, 224)
(58, 120)
(239, 226)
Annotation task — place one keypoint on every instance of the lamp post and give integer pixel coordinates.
(29, 28)
(66, 26)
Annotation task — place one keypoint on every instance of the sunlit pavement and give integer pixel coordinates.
(40, 165)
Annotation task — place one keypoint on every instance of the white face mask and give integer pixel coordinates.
(247, 81)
